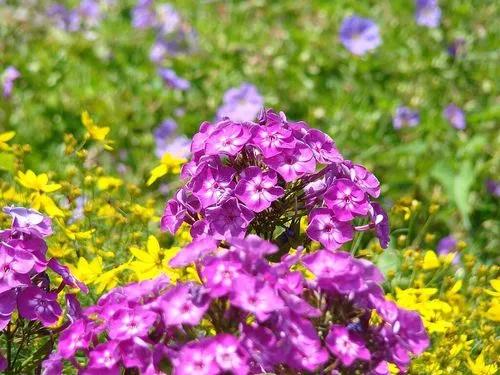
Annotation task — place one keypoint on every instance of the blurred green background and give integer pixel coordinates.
(290, 50)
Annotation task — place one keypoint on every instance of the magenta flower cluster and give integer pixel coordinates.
(248, 316)
(24, 282)
(255, 177)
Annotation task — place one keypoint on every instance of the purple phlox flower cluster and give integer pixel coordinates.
(173, 36)
(493, 187)
(24, 283)
(359, 35)
(247, 316)
(405, 117)
(448, 245)
(247, 177)
(241, 103)
(87, 14)
(9, 76)
(455, 116)
(167, 140)
(427, 13)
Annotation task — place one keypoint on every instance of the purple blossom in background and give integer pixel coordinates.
(173, 80)
(493, 187)
(241, 103)
(164, 130)
(143, 14)
(448, 245)
(64, 18)
(405, 117)
(455, 116)
(359, 35)
(167, 141)
(457, 47)
(90, 12)
(9, 76)
(168, 19)
(427, 13)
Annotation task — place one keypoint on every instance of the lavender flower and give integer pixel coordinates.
(455, 116)
(10, 75)
(241, 103)
(64, 18)
(428, 13)
(143, 15)
(405, 117)
(493, 187)
(448, 245)
(359, 35)
(168, 19)
(173, 80)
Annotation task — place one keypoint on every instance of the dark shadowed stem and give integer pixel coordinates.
(9, 349)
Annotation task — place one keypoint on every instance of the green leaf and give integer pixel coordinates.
(462, 185)
(388, 261)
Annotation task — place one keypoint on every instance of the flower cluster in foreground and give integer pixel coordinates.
(263, 176)
(323, 310)
(254, 306)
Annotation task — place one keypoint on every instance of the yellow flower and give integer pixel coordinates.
(168, 164)
(493, 313)
(436, 314)
(4, 137)
(108, 182)
(40, 185)
(431, 260)
(495, 283)
(96, 132)
(109, 279)
(462, 344)
(87, 272)
(479, 367)
(154, 261)
(60, 251)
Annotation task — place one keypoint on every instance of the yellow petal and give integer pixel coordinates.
(50, 207)
(153, 247)
(42, 179)
(431, 260)
(7, 136)
(142, 255)
(156, 173)
(456, 287)
(495, 284)
(49, 188)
